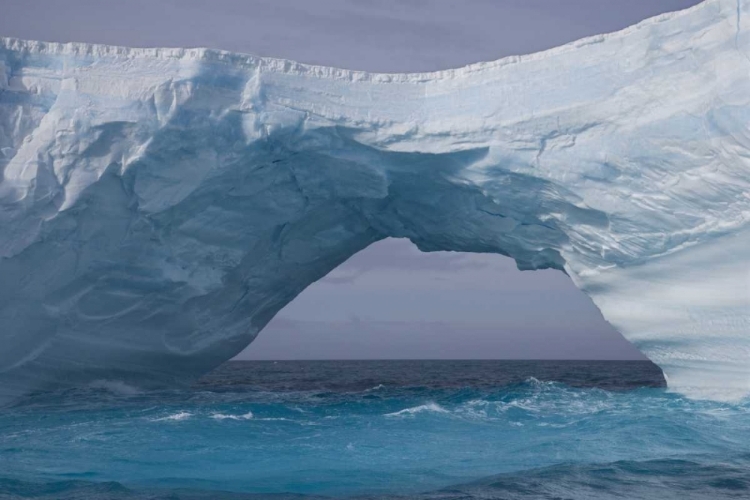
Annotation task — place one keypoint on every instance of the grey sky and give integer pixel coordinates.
(389, 301)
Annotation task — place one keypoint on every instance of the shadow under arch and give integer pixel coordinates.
(199, 269)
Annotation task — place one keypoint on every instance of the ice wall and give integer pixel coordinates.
(159, 206)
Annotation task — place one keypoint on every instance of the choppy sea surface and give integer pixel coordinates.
(380, 429)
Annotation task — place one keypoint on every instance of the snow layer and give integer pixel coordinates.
(159, 206)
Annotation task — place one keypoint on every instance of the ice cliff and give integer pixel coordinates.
(159, 206)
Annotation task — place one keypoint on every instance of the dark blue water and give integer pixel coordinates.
(394, 429)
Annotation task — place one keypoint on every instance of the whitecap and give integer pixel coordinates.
(540, 384)
(222, 416)
(429, 407)
(182, 415)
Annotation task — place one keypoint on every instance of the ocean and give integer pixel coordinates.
(380, 429)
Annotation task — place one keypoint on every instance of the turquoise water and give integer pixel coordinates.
(380, 429)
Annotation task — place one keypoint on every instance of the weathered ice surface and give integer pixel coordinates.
(159, 206)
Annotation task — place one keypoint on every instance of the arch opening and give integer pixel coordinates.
(391, 301)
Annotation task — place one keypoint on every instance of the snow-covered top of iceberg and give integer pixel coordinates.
(79, 49)
(159, 206)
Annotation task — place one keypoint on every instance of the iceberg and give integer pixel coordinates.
(159, 206)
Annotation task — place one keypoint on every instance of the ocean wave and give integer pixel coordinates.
(453, 434)
(116, 387)
(690, 478)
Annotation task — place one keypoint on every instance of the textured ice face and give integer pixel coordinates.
(159, 206)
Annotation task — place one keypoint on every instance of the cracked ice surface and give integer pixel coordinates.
(159, 206)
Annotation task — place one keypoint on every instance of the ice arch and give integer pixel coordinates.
(159, 206)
